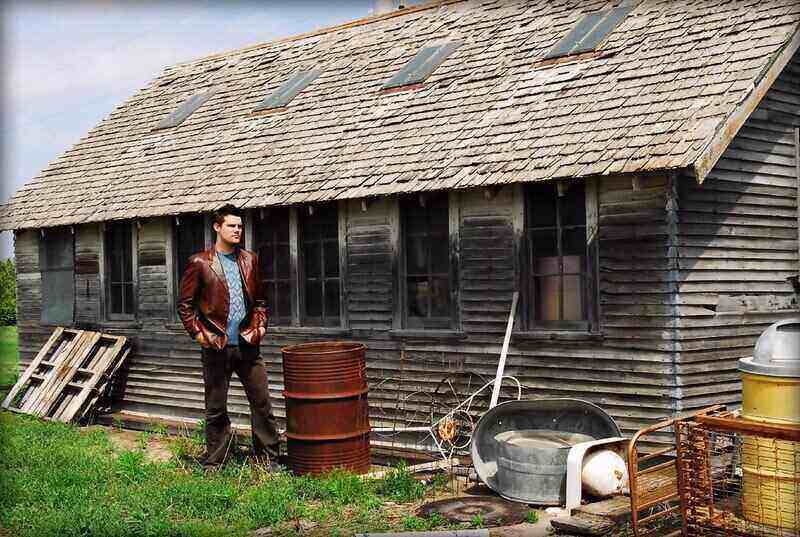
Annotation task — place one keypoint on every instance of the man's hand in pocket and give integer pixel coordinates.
(201, 339)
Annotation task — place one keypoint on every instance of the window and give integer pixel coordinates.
(186, 109)
(289, 90)
(558, 282)
(190, 238)
(319, 245)
(422, 65)
(425, 227)
(119, 270)
(590, 31)
(57, 264)
(272, 245)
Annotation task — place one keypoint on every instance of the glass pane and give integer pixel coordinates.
(573, 241)
(329, 222)
(542, 206)
(115, 270)
(283, 300)
(573, 206)
(267, 264)
(313, 299)
(543, 243)
(312, 259)
(127, 257)
(547, 300)
(546, 265)
(573, 298)
(331, 298)
(573, 264)
(58, 249)
(115, 296)
(270, 297)
(440, 255)
(280, 223)
(416, 255)
(282, 260)
(438, 215)
(418, 291)
(128, 298)
(440, 298)
(415, 222)
(331, 258)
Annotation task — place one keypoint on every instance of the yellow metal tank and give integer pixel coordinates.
(771, 394)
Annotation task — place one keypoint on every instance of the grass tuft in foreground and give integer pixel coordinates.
(58, 480)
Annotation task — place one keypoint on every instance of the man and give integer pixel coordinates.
(222, 308)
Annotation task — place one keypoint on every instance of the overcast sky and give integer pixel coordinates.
(67, 64)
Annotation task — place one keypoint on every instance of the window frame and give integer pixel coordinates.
(43, 269)
(173, 275)
(401, 310)
(589, 273)
(303, 318)
(255, 244)
(105, 269)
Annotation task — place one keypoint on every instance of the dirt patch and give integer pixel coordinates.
(155, 447)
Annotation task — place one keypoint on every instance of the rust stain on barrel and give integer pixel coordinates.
(326, 407)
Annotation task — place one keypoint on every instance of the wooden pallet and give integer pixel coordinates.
(67, 375)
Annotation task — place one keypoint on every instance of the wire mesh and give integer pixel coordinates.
(739, 478)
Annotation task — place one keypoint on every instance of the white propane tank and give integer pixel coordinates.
(604, 473)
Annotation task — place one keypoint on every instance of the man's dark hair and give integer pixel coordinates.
(227, 209)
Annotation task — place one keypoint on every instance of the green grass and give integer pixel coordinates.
(9, 355)
(57, 480)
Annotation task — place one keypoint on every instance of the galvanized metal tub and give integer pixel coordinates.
(562, 415)
(532, 464)
(327, 414)
(771, 394)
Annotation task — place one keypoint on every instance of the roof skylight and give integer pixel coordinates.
(422, 65)
(592, 30)
(186, 109)
(288, 90)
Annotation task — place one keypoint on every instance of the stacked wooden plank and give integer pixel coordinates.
(68, 375)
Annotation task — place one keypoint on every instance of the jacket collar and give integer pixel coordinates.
(216, 264)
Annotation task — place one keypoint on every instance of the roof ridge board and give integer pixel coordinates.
(364, 21)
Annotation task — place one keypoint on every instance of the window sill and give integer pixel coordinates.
(427, 334)
(310, 330)
(119, 324)
(556, 335)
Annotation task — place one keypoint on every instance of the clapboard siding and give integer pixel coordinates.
(737, 245)
(369, 265)
(487, 260)
(154, 302)
(630, 371)
(87, 274)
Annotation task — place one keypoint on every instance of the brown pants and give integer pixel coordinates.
(217, 369)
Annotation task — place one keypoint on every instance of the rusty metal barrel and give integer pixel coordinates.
(327, 415)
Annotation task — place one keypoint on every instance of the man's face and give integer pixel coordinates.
(231, 229)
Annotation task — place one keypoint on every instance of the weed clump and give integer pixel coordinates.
(400, 486)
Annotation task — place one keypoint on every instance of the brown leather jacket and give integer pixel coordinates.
(203, 303)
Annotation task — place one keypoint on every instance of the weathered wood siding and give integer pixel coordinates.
(87, 274)
(737, 245)
(153, 290)
(628, 369)
(488, 260)
(369, 265)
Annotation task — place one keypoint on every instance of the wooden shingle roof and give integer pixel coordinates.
(667, 90)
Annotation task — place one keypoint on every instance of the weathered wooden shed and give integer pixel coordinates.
(631, 170)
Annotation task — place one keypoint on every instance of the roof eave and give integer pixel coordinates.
(724, 135)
